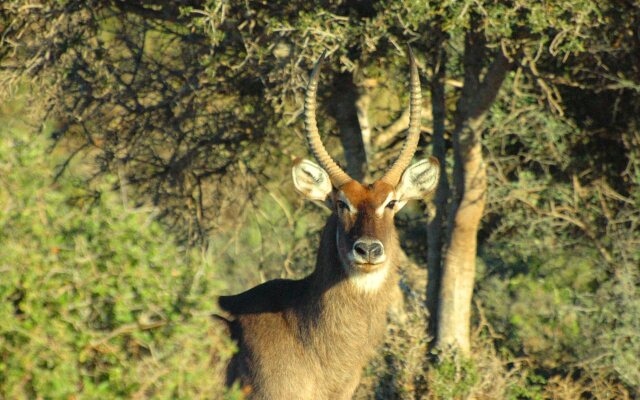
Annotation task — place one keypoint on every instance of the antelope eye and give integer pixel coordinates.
(391, 204)
(342, 205)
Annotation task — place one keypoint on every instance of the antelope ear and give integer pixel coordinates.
(419, 180)
(311, 180)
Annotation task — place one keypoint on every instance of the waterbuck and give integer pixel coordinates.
(310, 338)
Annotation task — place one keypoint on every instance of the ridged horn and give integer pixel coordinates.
(394, 173)
(336, 174)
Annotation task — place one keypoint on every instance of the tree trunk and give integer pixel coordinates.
(345, 111)
(362, 107)
(437, 206)
(460, 260)
(470, 185)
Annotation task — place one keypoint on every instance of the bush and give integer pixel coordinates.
(96, 300)
(575, 323)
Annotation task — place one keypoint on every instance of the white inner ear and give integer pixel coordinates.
(311, 180)
(418, 180)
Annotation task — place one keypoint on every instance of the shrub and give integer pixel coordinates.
(96, 299)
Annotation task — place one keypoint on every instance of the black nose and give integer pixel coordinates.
(368, 250)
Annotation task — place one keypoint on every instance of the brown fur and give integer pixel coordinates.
(310, 338)
(365, 223)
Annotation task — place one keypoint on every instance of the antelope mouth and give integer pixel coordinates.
(368, 267)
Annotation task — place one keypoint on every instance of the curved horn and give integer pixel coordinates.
(336, 174)
(394, 173)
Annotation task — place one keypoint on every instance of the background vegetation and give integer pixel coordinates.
(145, 150)
(98, 300)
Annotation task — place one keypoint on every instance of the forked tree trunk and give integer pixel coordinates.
(469, 190)
(460, 260)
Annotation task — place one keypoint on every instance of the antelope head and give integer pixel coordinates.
(366, 237)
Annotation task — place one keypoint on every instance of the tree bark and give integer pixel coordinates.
(362, 108)
(470, 185)
(345, 112)
(437, 206)
(454, 311)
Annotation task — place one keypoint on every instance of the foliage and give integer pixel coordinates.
(176, 97)
(550, 285)
(272, 236)
(96, 299)
(452, 378)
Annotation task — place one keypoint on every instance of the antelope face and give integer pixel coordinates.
(366, 236)
(366, 231)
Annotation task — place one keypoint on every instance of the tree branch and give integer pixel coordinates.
(491, 84)
(388, 134)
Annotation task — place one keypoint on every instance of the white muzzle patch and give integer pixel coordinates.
(366, 282)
